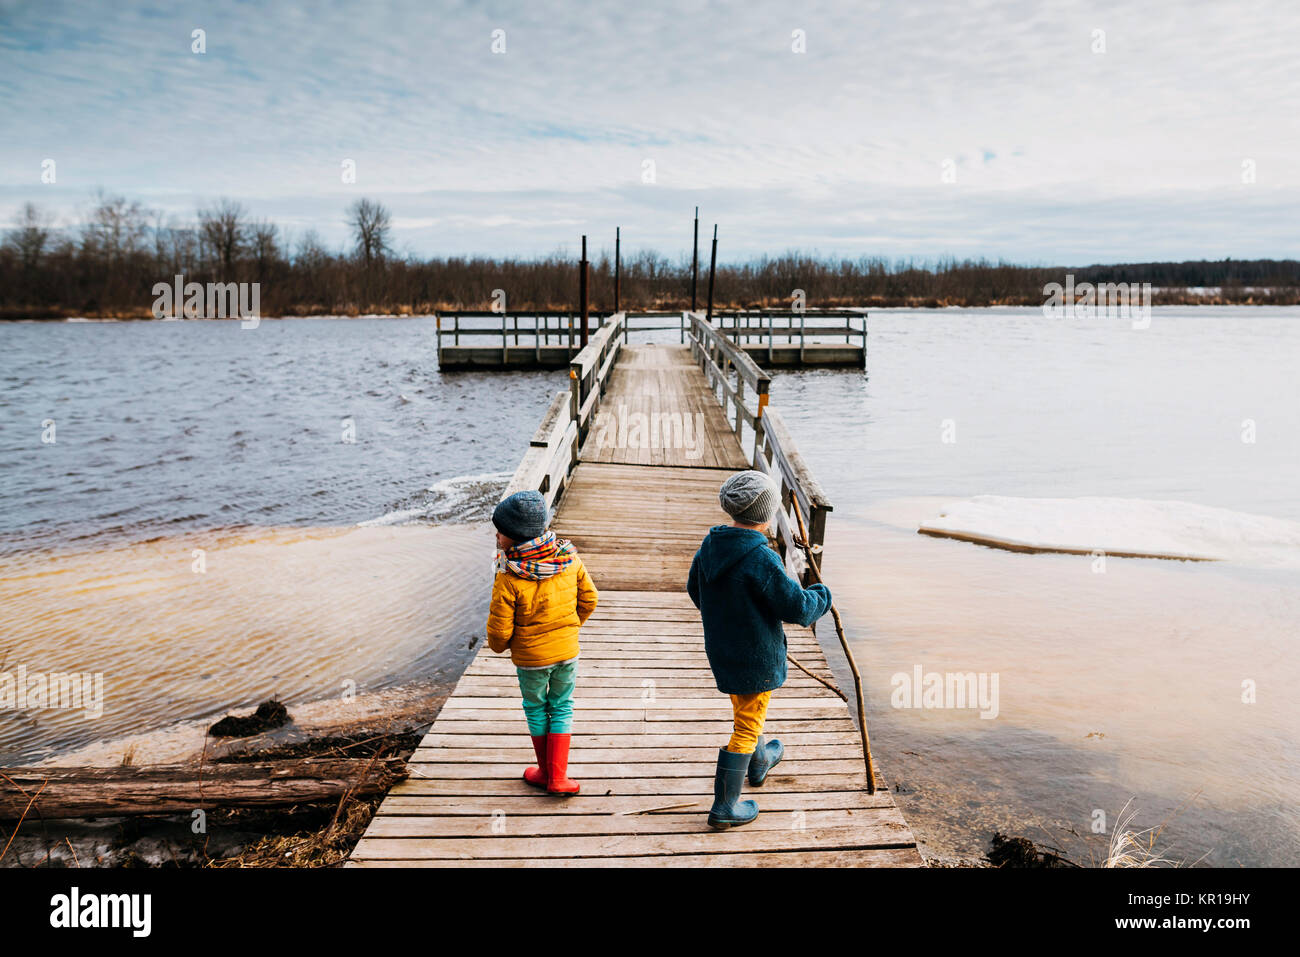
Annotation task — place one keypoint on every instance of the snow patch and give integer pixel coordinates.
(1120, 526)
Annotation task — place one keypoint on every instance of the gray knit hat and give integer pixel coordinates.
(521, 516)
(750, 497)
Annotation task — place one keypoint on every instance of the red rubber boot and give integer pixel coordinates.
(557, 764)
(537, 776)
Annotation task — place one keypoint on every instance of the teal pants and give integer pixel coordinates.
(548, 698)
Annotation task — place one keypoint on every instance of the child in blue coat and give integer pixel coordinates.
(743, 593)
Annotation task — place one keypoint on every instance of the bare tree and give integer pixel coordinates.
(264, 241)
(30, 235)
(223, 230)
(311, 253)
(370, 222)
(116, 228)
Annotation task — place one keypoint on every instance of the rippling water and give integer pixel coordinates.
(329, 563)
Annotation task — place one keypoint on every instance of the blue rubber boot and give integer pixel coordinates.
(767, 755)
(728, 809)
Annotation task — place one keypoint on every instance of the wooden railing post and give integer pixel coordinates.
(575, 395)
(740, 401)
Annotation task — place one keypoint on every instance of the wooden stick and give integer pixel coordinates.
(802, 542)
(662, 807)
(23, 817)
(795, 661)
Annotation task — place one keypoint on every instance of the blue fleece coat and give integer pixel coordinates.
(743, 593)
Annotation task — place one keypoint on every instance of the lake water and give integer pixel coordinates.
(300, 509)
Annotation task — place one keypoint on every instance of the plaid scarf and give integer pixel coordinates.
(537, 559)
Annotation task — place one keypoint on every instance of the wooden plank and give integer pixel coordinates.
(507, 743)
(417, 784)
(887, 834)
(579, 804)
(701, 752)
(498, 823)
(866, 857)
(625, 724)
(438, 767)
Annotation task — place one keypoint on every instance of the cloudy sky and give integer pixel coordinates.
(1070, 132)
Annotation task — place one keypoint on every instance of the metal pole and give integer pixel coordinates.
(582, 291)
(713, 265)
(695, 258)
(618, 271)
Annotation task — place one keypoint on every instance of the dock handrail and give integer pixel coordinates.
(589, 370)
(534, 336)
(761, 324)
(774, 450)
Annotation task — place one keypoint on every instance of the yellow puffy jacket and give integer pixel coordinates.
(539, 620)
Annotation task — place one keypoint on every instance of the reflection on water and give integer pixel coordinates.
(302, 614)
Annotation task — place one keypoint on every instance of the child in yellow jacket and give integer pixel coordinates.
(541, 597)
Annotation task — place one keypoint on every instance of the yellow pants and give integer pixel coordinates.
(749, 711)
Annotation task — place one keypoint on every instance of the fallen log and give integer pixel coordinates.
(182, 788)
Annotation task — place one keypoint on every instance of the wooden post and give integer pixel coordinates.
(618, 271)
(740, 404)
(695, 258)
(582, 292)
(713, 265)
(575, 395)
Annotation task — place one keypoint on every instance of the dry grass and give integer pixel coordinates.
(327, 847)
(1136, 847)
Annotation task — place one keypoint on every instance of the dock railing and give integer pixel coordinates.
(730, 372)
(745, 326)
(553, 451)
(539, 328)
(589, 370)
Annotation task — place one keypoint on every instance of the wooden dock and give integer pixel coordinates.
(649, 719)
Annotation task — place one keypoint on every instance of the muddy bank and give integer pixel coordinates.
(316, 834)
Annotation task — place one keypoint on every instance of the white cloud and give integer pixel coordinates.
(840, 146)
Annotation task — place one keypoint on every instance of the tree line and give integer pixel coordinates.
(107, 264)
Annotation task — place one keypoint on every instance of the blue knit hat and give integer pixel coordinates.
(521, 516)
